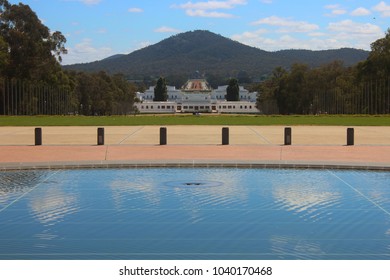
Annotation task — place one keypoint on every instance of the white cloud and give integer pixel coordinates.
(261, 41)
(351, 27)
(336, 10)
(316, 34)
(212, 5)
(355, 34)
(287, 25)
(332, 7)
(256, 39)
(210, 8)
(383, 9)
(266, 1)
(166, 29)
(86, 52)
(360, 12)
(203, 13)
(135, 10)
(340, 34)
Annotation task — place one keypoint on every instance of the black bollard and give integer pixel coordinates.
(287, 136)
(350, 136)
(38, 136)
(100, 136)
(225, 136)
(163, 135)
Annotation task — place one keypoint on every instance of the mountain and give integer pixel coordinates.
(114, 56)
(213, 54)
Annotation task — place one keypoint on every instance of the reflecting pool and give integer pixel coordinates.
(195, 213)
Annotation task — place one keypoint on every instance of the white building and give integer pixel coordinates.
(197, 96)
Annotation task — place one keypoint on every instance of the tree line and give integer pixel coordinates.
(32, 80)
(331, 88)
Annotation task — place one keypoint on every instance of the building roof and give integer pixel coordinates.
(196, 85)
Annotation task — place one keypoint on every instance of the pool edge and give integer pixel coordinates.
(194, 164)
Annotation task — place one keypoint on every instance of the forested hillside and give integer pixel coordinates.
(216, 56)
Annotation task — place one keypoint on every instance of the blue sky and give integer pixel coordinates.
(96, 29)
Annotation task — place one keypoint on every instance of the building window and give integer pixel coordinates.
(158, 107)
(162, 107)
(224, 107)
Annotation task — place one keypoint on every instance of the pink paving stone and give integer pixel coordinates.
(194, 152)
(353, 154)
(51, 153)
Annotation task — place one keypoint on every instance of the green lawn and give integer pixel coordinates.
(344, 120)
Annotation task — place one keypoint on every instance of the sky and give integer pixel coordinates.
(96, 29)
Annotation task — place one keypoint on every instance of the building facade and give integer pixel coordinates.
(196, 96)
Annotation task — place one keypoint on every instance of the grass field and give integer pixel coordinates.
(342, 120)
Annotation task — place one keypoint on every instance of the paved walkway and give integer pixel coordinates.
(196, 135)
(320, 146)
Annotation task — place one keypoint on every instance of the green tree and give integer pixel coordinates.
(271, 92)
(298, 99)
(124, 95)
(58, 45)
(160, 90)
(233, 91)
(288, 90)
(4, 55)
(331, 85)
(377, 65)
(33, 49)
(83, 88)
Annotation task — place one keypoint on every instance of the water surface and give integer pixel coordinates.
(208, 213)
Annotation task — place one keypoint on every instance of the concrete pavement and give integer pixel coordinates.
(254, 145)
(196, 135)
